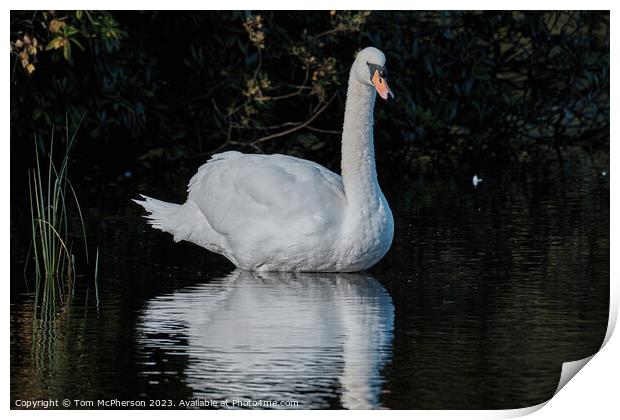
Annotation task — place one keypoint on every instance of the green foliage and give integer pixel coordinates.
(501, 81)
(74, 66)
(188, 83)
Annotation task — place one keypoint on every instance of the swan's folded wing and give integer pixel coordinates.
(271, 193)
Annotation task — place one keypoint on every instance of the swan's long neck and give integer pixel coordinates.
(359, 174)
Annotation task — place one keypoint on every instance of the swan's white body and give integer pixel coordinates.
(281, 213)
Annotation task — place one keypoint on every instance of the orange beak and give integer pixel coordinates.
(381, 85)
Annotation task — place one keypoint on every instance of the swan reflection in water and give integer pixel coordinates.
(313, 338)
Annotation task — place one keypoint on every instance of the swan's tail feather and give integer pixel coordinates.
(180, 220)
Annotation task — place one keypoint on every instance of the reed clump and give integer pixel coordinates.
(51, 194)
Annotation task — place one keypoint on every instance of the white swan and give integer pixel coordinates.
(281, 213)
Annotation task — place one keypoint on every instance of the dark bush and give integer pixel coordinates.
(184, 84)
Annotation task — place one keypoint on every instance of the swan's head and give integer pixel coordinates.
(369, 68)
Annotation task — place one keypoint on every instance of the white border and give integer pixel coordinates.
(592, 394)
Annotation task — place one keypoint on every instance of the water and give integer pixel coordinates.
(260, 337)
(485, 293)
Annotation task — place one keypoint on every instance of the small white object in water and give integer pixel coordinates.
(475, 180)
(604, 173)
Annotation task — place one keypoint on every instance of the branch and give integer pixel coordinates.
(269, 127)
(300, 126)
(322, 130)
(288, 95)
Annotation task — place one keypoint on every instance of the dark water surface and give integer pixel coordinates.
(485, 293)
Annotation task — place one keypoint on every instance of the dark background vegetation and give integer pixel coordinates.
(158, 89)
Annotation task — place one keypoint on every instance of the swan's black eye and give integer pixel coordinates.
(375, 67)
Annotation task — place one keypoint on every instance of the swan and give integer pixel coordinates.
(282, 213)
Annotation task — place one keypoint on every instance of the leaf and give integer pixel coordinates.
(152, 154)
(71, 30)
(414, 48)
(428, 64)
(55, 43)
(36, 114)
(468, 86)
(66, 51)
(76, 42)
(56, 25)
